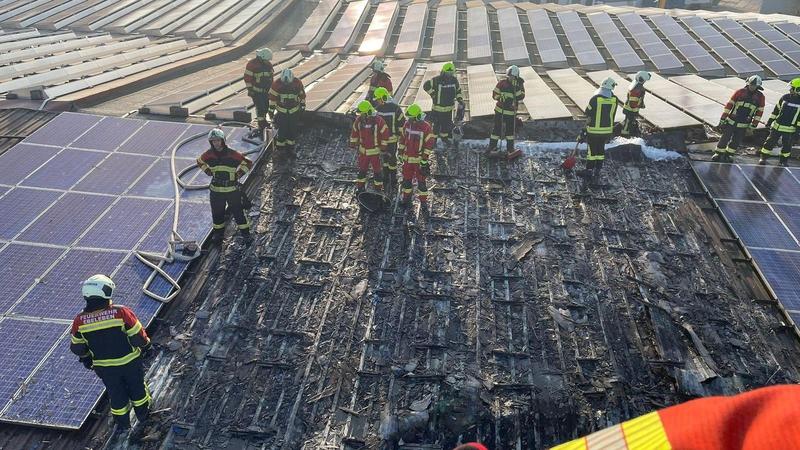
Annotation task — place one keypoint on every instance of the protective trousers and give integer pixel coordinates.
(630, 126)
(731, 139)
(126, 389)
(364, 162)
(231, 200)
(596, 155)
(389, 157)
(502, 122)
(287, 124)
(787, 140)
(442, 122)
(411, 172)
(261, 102)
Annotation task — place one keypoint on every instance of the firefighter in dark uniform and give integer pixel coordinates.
(783, 124)
(225, 166)
(393, 115)
(379, 79)
(743, 112)
(600, 126)
(508, 93)
(445, 91)
(288, 97)
(110, 339)
(633, 104)
(258, 78)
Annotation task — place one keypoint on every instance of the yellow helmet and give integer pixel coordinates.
(448, 67)
(381, 94)
(365, 107)
(414, 111)
(795, 84)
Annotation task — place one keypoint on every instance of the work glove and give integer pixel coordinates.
(425, 168)
(87, 362)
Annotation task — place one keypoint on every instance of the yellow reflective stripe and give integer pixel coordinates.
(223, 169)
(248, 72)
(118, 361)
(76, 340)
(577, 444)
(137, 327)
(222, 188)
(438, 108)
(287, 111)
(102, 325)
(144, 400)
(121, 411)
(243, 167)
(370, 151)
(413, 159)
(646, 433)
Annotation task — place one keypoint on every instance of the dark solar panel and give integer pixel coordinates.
(155, 138)
(790, 216)
(726, 181)
(157, 181)
(67, 219)
(63, 129)
(22, 159)
(776, 184)
(124, 224)
(20, 266)
(192, 225)
(109, 134)
(115, 174)
(782, 270)
(64, 169)
(20, 206)
(757, 225)
(130, 279)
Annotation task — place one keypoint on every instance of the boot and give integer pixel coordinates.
(729, 158)
(784, 161)
(762, 161)
(217, 236)
(718, 157)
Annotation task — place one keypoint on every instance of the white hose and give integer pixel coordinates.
(156, 261)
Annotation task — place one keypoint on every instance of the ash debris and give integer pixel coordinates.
(522, 310)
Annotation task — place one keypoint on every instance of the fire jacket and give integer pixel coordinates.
(369, 134)
(600, 114)
(786, 115)
(225, 168)
(445, 91)
(287, 98)
(635, 100)
(379, 79)
(508, 93)
(258, 75)
(111, 336)
(763, 419)
(416, 142)
(744, 109)
(393, 115)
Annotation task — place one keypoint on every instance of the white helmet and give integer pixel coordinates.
(216, 133)
(264, 53)
(643, 76)
(609, 84)
(512, 71)
(754, 80)
(378, 65)
(98, 286)
(287, 76)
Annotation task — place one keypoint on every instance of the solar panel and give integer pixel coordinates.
(380, 29)
(65, 169)
(142, 141)
(547, 43)
(623, 54)
(409, 43)
(479, 45)
(157, 181)
(20, 266)
(757, 225)
(546, 104)
(775, 184)
(782, 270)
(20, 160)
(480, 78)
(115, 174)
(726, 181)
(775, 62)
(702, 108)
(790, 29)
(124, 224)
(344, 34)
(443, 46)
(309, 35)
(108, 134)
(193, 223)
(694, 53)
(790, 214)
(577, 88)
(20, 206)
(729, 53)
(582, 45)
(515, 51)
(73, 213)
(63, 129)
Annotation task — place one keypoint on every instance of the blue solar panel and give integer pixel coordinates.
(155, 138)
(24, 344)
(124, 224)
(22, 159)
(115, 174)
(782, 270)
(757, 225)
(61, 393)
(21, 206)
(129, 280)
(194, 223)
(3, 190)
(63, 129)
(196, 147)
(157, 181)
(790, 216)
(63, 283)
(67, 219)
(65, 169)
(20, 267)
(109, 134)
(776, 184)
(725, 181)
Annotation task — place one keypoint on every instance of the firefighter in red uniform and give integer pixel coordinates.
(393, 115)
(369, 135)
(380, 79)
(110, 339)
(258, 78)
(743, 112)
(225, 166)
(416, 145)
(508, 93)
(634, 102)
(288, 98)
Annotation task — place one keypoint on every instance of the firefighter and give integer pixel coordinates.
(288, 98)
(416, 145)
(445, 92)
(392, 114)
(369, 135)
(380, 79)
(508, 93)
(783, 124)
(225, 166)
(634, 102)
(258, 78)
(110, 340)
(742, 112)
(600, 126)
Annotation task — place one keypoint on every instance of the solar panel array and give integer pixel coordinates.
(621, 51)
(788, 47)
(759, 49)
(658, 53)
(695, 54)
(582, 45)
(409, 43)
(515, 51)
(479, 43)
(547, 44)
(78, 197)
(790, 29)
(444, 33)
(761, 205)
(738, 61)
(380, 29)
(701, 107)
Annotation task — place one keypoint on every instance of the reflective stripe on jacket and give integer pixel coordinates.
(445, 91)
(393, 115)
(635, 100)
(258, 75)
(600, 114)
(369, 134)
(744, 109)
(225, 168)
(508, 93)
(416, 142)
(287, 97)
(110, 336)
(786, 115)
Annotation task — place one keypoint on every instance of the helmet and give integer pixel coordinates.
(98, 286)
(381, 94)
(378, 65)
(609, 84)
(448, 67)
(512, 71)
(415, 112)
(287, 76)
(642, 76)
(264, 53)
(795, 84)
(364, 107)
(216, 133)
(754, 80)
